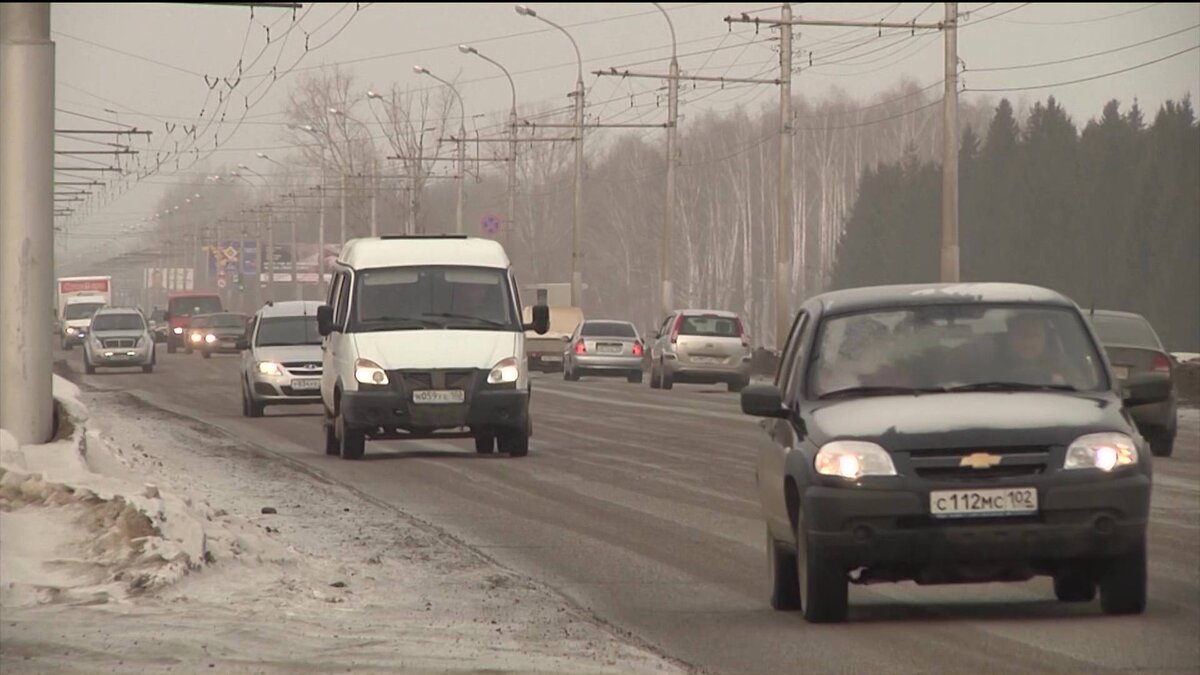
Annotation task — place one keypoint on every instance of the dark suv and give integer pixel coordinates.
(948, 434)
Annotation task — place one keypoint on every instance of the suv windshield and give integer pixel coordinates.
(711, 326)
(954, 347)
(287, 331)
(1125, 330)
(81, 310)
(475, 298)
(102, 322)
(194, 306)
(607, 329)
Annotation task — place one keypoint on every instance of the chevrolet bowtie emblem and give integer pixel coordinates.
(980, 460)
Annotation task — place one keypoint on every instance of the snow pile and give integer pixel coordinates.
(77, 527)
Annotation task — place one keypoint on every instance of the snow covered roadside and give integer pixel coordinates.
(149, 542)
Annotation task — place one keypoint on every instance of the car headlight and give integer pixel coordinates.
(853, 459)
(196, 337)
(1105, 451)
(505, 372)
(269, 368)
(210, 338)
(70, 330)
(177, 330)
(369, 372)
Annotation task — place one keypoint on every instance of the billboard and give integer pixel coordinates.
(279, 261)
(83, 285)
(169, 278)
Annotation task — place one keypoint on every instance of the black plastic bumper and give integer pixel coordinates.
(487, 408)
(1077, 520)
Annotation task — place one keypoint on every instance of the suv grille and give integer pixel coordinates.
(983, 464)
(413, 380)
(121, 343)
(303, 368)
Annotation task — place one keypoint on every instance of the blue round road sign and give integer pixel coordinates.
(491, 223)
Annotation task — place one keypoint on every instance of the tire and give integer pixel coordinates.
(514, 442)
(781, 570)
(170, 346)
(351, 442)
(1162, 444)
(67, 346)
(1074, 585)
(245, 401)
(331, 440)
(824, 588)
(148, 369)
(205, 353)
(635, 377)
(655, 380)
(667, 382)
(1123, 583)
(254, 408)
(738, 385)
(87, 365)
(485, 444)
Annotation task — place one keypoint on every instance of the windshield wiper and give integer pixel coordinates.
(1012, 386)
(879, 391)
(388, 323)
(448, 315)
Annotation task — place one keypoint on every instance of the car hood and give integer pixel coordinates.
(78, 323)
(289, 354)
(429, 349)
(964, 420)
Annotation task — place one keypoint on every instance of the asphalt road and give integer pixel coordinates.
(640, 505)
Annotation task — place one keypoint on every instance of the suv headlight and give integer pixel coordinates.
(369, 372)
(177, 330)
(853, 459)
(1105, 451)
(505, 372)
(269, 368)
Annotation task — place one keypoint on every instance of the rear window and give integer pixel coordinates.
(711, 326)
(1125, 330)
(607, 329)
(194, 306)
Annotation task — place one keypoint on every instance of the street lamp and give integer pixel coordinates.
(576, 274)
(665, 298)
(512, 142)
(462, 146)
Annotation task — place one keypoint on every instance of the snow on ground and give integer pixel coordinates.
(140, 544)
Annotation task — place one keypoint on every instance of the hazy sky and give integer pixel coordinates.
(169, 48)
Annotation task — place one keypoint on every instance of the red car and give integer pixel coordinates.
(181, 307)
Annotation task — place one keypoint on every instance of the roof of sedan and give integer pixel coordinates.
(907, 295)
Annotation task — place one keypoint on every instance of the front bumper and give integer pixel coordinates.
(707, 372)
(116, 357)
(485, 408)
(622, 363)
(281, 389)
(1076, 519)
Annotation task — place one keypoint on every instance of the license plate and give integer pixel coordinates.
(1122, 372)
(608, 349)
(303, 385)
(551, 357)
(707, 359)
(998, 502)
(439, 396)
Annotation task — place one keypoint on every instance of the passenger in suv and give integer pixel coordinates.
(423, 338)
(701, 346)
(975, 434)
(281, 357)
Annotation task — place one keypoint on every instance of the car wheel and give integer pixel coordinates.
(781, 570)
(655, 380)
(667, 382)
(738, 385)
(205, 353)
(514, 442)
(352, 442)
(245, 401)
(67, 346)
(148, 369)
(824, 588)
(87, 364)
(331, 439)
(170, 346)
(485, 444)
(254, 408)
(1162, 444)
(1074, 585)
(1123, 583)
(635, 377)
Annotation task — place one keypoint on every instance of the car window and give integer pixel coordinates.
(81, 310)
(1125, 330)
(607, 329)
(785, 375)
(954, 346)
(434, 296)
(103, 322)
(281, 331)
(194, 306)
(338, 298)
(711, 326)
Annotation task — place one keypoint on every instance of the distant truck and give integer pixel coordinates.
(78, 300)
(545, 352)
(181, 307)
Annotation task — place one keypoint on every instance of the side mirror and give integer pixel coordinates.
(243, 344)
(763, 400)
(324, 320)
(1146, 388)
(541, 320)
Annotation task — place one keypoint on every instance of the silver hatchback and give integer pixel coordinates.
(604, 348)
(281, 357)
(701, 346)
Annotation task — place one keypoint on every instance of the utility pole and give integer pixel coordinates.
(270, 255)
(295, 253)
(26, 221)
(665, 302)
(374, 214)
(784, 226)
(950, 149)
(343, 198)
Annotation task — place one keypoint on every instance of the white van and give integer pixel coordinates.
(423, 338)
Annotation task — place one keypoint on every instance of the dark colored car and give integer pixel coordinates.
(181, 307)
(159, 326)
(220, 334)
(1134, 348)
(950, 434)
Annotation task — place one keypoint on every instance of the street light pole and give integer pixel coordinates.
(506, 235)
(576, 225)
(665, 300)
(462, 144)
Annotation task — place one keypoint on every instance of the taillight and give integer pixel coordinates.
(637, 349)
(742, 330)
(676, 328)
(1161, 364)
(579, 348)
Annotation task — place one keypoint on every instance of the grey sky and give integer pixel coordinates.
(383, 41)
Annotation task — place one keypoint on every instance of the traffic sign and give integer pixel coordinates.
(490, 223)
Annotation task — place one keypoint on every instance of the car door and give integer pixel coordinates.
(663, 333)
(332, 343)
(248, 360)
(779, 436)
